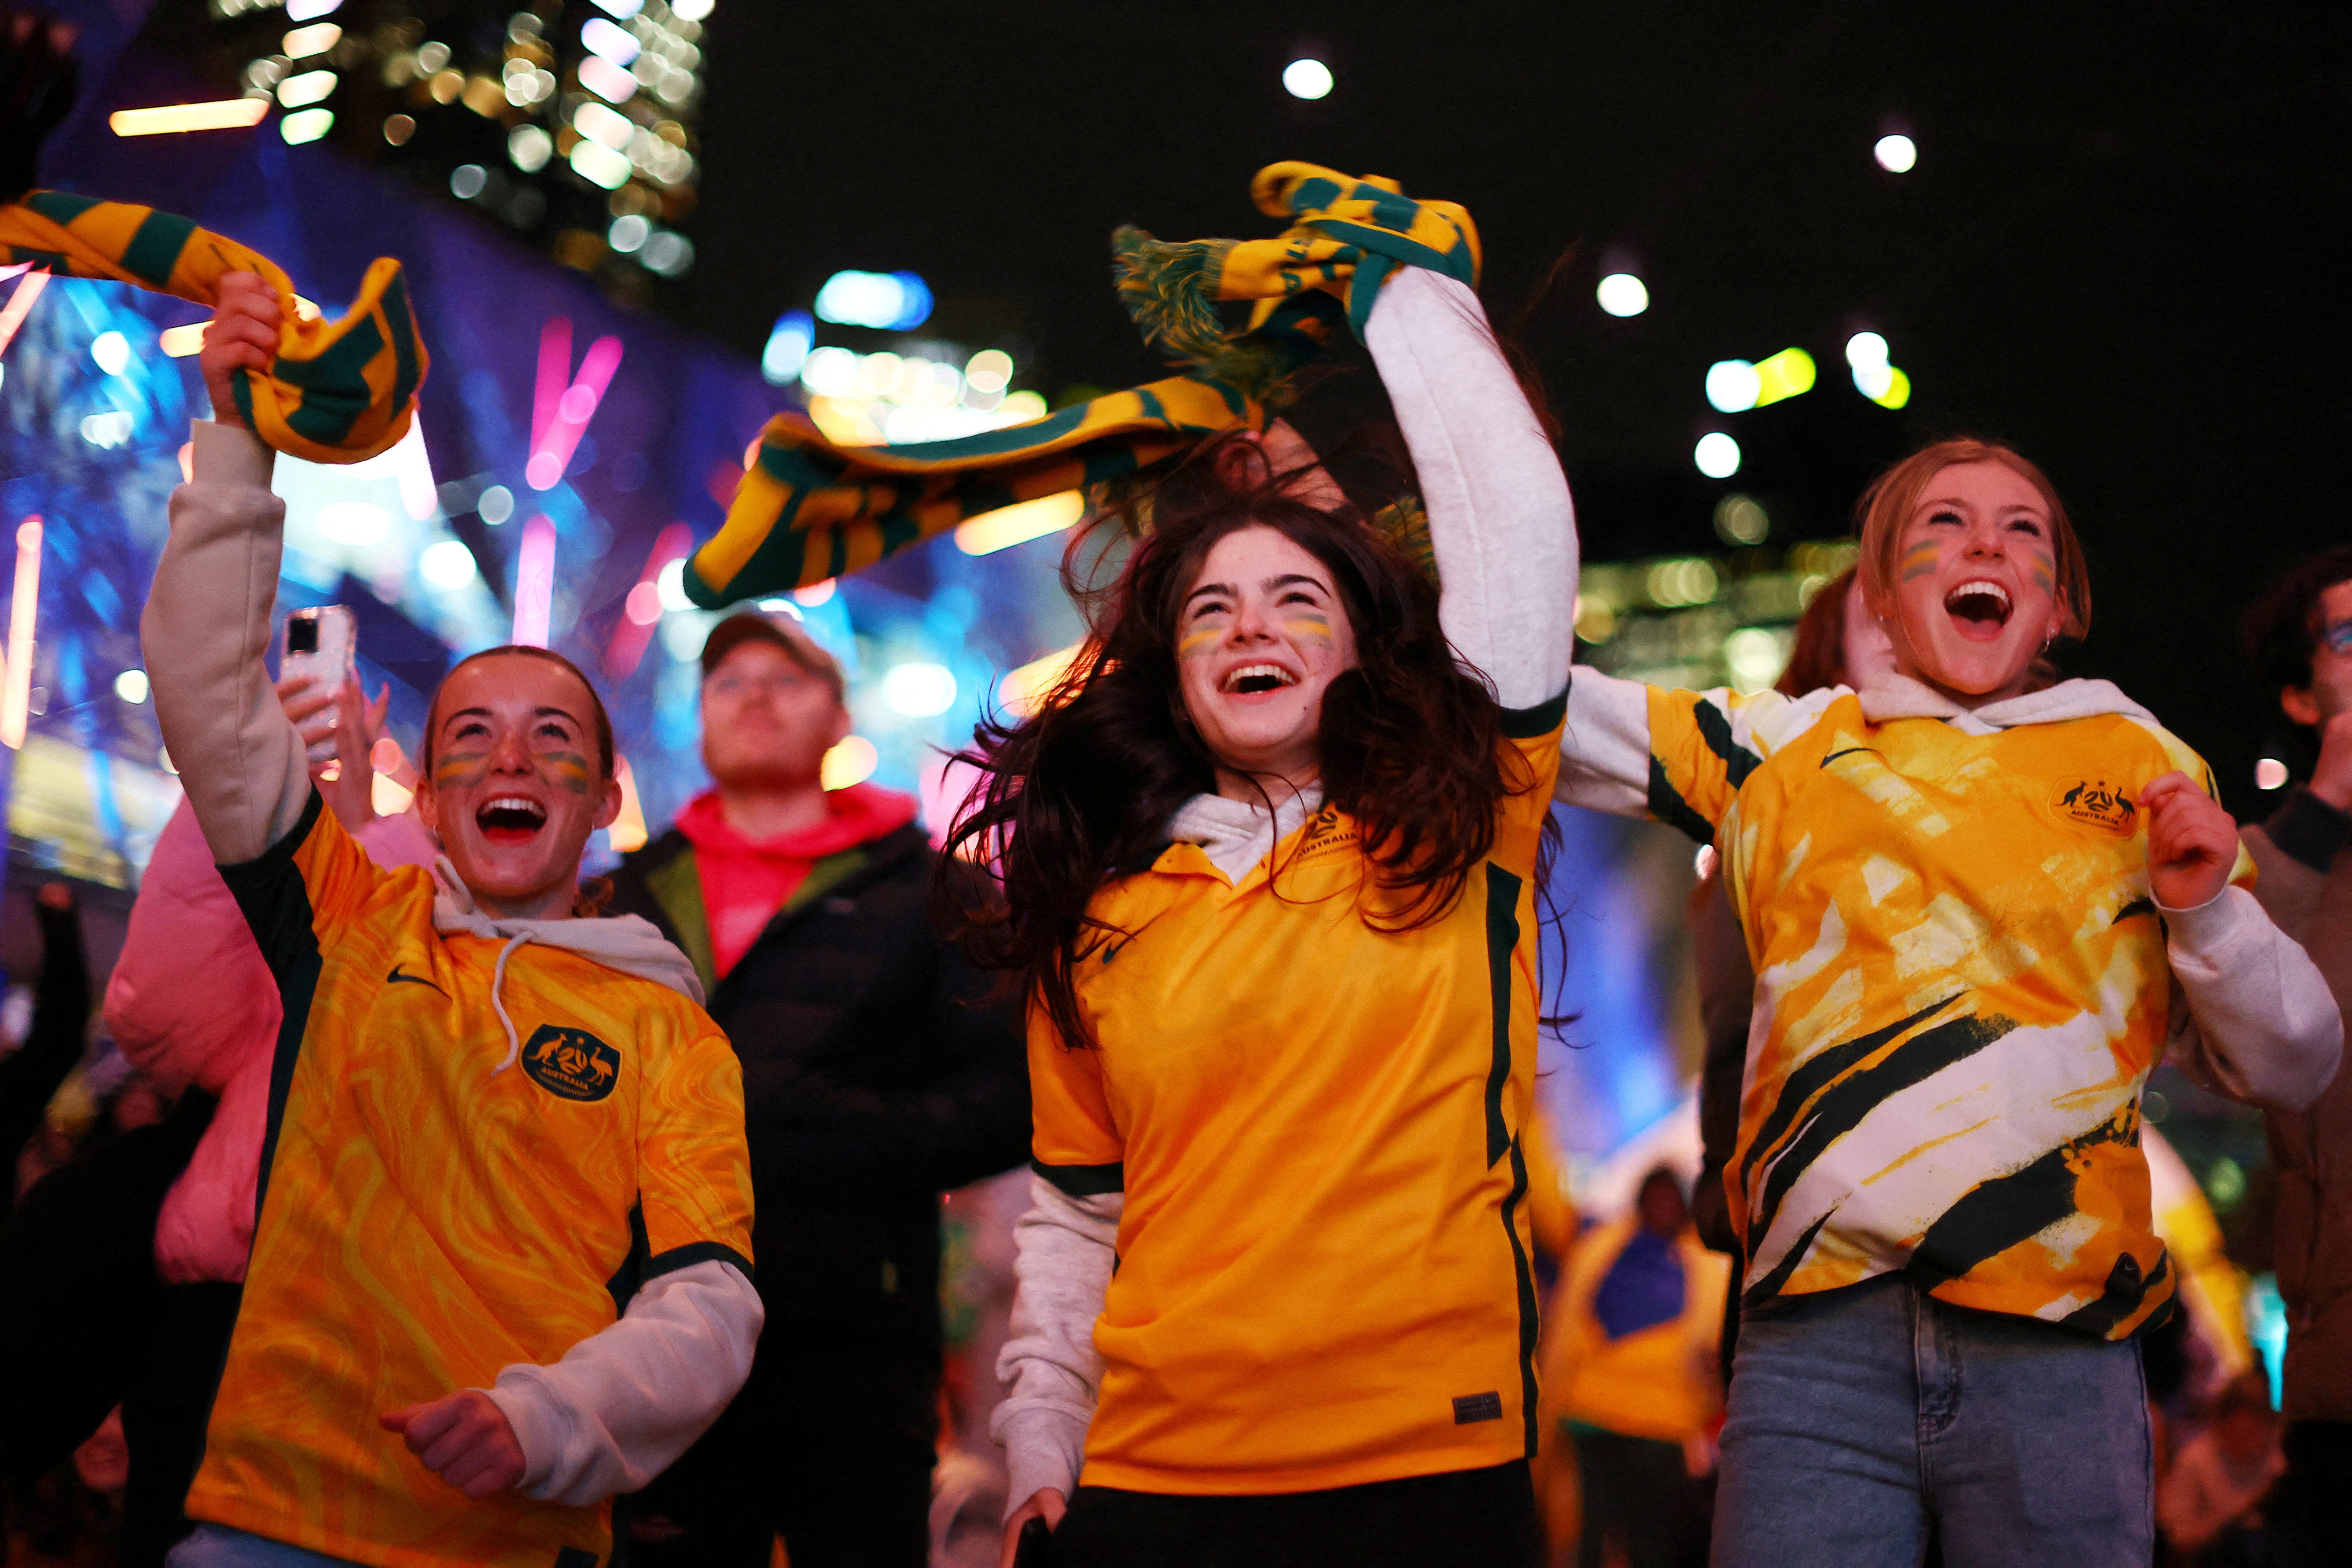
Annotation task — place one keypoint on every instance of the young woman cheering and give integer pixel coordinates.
(1269, 856)
(1980, 910)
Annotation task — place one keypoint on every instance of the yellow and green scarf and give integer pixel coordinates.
(339, 391)
(812, 509)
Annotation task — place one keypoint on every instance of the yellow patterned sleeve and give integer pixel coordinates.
(1702, 746)
(1075, 1144)
(695, 1172)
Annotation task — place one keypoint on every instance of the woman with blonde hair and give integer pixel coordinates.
(1980, 910)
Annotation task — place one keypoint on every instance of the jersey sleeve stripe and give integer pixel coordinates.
(1502, 940)
(1528, 723)
(695, 1252)
(1714, 727)
(1666, 804)
(1085, 1181)
(276, 900)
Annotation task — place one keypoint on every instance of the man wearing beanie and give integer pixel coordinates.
(874, 1076)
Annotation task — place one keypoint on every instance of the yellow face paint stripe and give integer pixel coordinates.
(1199, 641)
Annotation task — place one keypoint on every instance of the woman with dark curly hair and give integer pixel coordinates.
(1269, 854)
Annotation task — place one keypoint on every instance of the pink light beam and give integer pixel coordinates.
(555, 439)
(534, 582)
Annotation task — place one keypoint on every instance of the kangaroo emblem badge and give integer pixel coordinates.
(571, 1064)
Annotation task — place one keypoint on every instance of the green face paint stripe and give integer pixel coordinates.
(1921, 560)
(571, 769)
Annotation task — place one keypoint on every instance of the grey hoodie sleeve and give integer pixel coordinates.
(204, 632)
(626, 1402)
(1065, 1248)
(1499, 516)
(2253, 1018)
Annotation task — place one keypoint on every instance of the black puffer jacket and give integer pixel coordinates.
(876, 1074)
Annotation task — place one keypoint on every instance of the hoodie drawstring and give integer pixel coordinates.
(498, 979)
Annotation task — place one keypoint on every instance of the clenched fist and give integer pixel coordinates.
(2191, 842)
(242, 335)
(464, 1438)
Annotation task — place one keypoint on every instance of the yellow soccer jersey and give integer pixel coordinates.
(426, 1220)
(1324, 1272)
(1962, 988)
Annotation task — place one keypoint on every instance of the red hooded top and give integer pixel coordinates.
(746, 880)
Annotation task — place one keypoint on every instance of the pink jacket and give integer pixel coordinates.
(192, 1002)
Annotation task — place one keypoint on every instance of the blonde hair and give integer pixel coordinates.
(1888, 503)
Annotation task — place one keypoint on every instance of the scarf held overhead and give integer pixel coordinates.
(339, 391)
(810, 509)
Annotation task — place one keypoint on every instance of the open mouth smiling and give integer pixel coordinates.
(509, 819)
(1255, 680)
(1981, 605)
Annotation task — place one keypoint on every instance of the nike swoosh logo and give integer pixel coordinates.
(1850, 751)
(397, 978)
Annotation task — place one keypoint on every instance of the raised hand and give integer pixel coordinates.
(350, 794)
(2191, 842)
(241, 336)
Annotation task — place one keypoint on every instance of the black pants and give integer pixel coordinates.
(2311, 1512)
(1464, 1518)
(1640, 1490)
(830, 1445)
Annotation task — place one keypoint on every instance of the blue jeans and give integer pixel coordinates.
(218, 1546)
(1858, 1415)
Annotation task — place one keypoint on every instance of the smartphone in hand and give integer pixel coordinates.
(320, 644)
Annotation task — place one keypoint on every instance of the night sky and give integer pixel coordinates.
(2124, 247)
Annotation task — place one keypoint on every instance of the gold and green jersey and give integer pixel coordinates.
(1325, 1276)
(1962, 984)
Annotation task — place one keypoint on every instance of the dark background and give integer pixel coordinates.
(2123, 249)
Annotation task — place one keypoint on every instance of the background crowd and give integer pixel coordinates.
(134, 1165)
(888, 1113)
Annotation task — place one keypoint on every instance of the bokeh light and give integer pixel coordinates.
(1622, 294)
(920, 689)
(447, 563)
(1895, 154)
(1732, 385)
(1306, 78)
(1716, 454)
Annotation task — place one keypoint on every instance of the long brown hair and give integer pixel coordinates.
(1079, 793)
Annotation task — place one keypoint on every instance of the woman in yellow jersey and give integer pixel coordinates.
(1270, 856)
(1980, 910)
(500, 1271)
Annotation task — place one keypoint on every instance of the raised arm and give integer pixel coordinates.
(1499, 515)
(207, 621)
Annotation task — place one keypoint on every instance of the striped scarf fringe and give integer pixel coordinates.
(339, 391)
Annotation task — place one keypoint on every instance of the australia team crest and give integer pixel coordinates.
(571, 1064)
(2096, 802)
